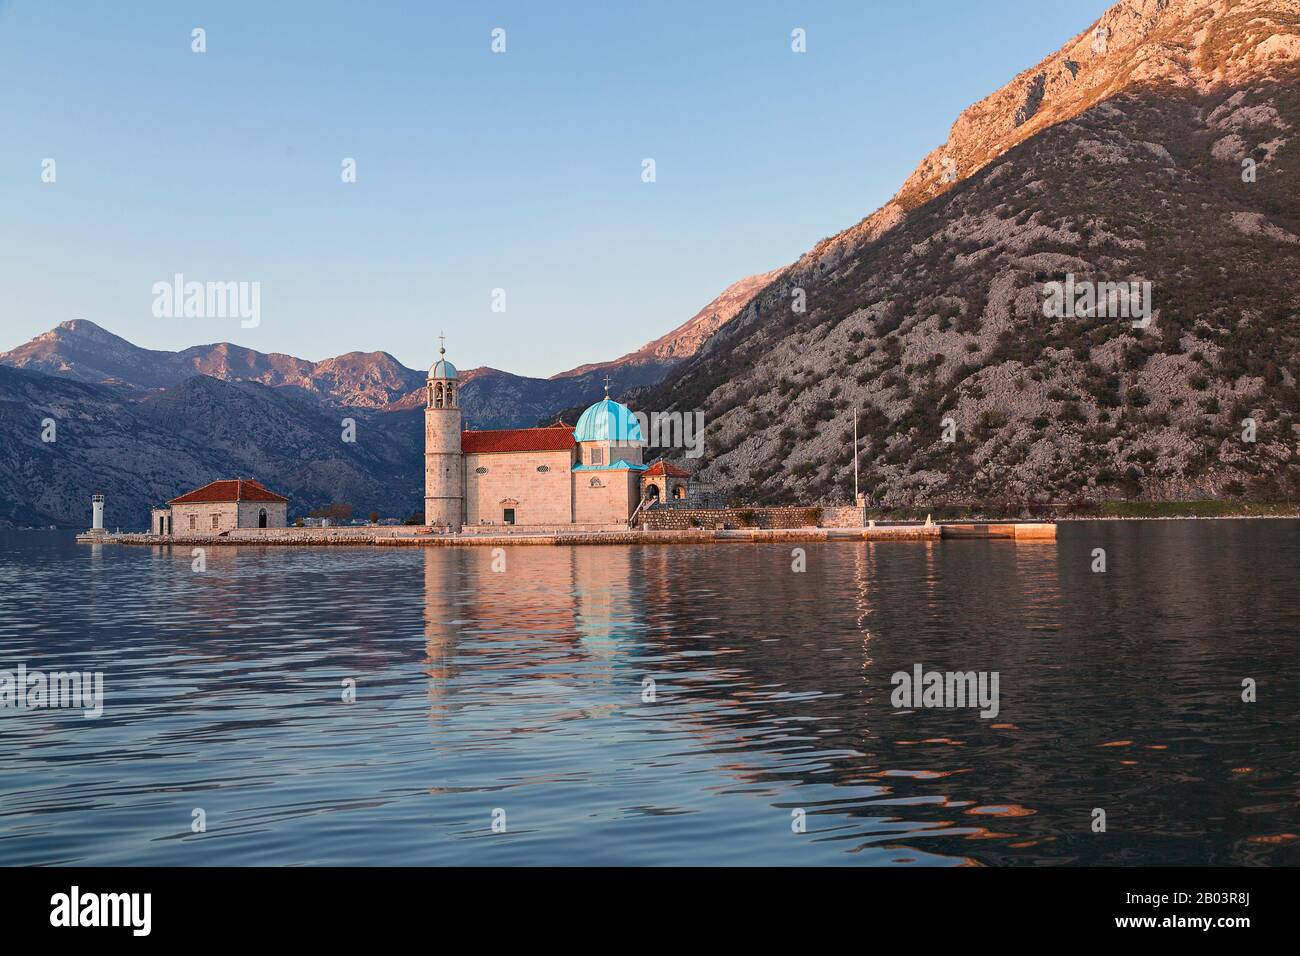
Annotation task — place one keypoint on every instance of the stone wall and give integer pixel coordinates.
(612, 500)
(698, 496)
(229, 515)
(659, 518)
(277, 514)
(198, 518)
(408, 537)
(544, 497)
(444, 475)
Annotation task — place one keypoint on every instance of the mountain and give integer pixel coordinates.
(1159, 145)
(84, 351)
(81, 350)
(682, 342)
(142, 453)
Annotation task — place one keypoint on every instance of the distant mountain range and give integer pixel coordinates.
(143, 425)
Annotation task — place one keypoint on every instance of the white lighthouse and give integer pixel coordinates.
(97, 513)
(444, 494)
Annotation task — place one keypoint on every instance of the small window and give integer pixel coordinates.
(480, 470)
(508, 516)
(679, 492)
(193, 526)
(598, 456)
(216, 521)
(597, 483)
(543, 468)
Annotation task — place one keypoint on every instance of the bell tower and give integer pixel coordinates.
(444, 490)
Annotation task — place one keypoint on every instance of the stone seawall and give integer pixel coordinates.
(280, 536)
(363, 538)
(408, 538)
(683, 519)
(698, 536)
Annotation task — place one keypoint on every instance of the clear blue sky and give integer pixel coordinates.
(476, 171)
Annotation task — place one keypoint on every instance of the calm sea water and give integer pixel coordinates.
(520, 693)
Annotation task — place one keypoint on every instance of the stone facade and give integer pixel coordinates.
(444, 474)
(160, 521)
(603, 497)
(536, 486)
(216, 517)
(542, 488)
(665, 487)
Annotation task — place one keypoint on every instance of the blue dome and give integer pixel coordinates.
(607, 420)
(442, 368)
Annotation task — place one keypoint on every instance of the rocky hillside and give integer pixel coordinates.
(1160, 145)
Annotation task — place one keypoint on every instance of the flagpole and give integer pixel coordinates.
(855, 457)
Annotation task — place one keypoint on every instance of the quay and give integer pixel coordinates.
(401, 537)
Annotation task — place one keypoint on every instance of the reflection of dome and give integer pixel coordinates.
(607, 420)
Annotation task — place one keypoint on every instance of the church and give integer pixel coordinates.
(591, 474)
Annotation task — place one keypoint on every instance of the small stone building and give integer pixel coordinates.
(664, 481)
(222, 506)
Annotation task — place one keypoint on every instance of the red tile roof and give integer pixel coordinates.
(229, 489)
(663, 468)
(550, 438)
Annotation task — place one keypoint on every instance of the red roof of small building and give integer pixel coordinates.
(664, 469)
(228, 489)
(549, 438)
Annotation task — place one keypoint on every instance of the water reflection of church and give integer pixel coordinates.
(578, 604)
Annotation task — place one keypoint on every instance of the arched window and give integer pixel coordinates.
(437, 395)
(679, 492)
(597, 483)
(451, 396)
(261, 518)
